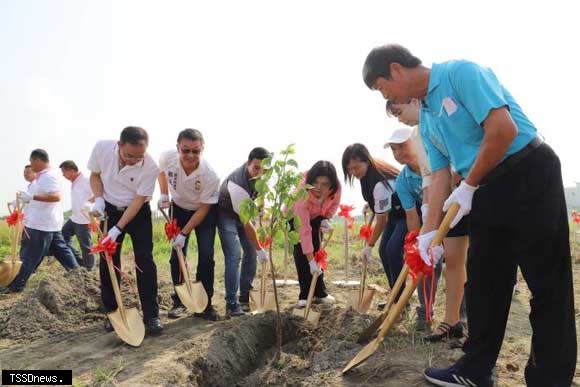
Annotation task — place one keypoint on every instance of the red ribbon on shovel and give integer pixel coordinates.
(14, 218)
(416, 266)
(172, 229)
(320, 258)
(366, 232)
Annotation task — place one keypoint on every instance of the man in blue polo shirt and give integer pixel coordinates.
(513, 189)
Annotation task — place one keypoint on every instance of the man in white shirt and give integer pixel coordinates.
(78, 223)
(123, 180)
(193, 186)
(42, 234)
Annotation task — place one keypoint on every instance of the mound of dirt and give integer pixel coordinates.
(60, 304)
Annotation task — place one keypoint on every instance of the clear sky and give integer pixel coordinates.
(259, 73)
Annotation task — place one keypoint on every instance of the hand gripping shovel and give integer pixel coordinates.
(127, 323)
(10, 267)
(311, 315)
(394, 313)
(191, 294)
(361, 300)
(262, 300)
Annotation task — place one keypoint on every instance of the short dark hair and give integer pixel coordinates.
(69, 165)
(39, 154)
(323, 168)
(134, 135)
(391, 112)
(190, 134)
(27, 166)
(258, 153)
(379, 60)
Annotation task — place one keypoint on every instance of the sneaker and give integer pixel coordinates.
(208, 314)
(301, 304)
(445, 331)
(234, 310)
(381, 305)
(177, 311)
(422, 325)
(450, 377)
(153, 326)
(245, 307)
(328, 300)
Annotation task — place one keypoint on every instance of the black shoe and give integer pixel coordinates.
(177, 311)
(208, 314)
(234, 310)
(422, 325)
(153, 326)
(447, 332)
(381, 305)
(108, 326)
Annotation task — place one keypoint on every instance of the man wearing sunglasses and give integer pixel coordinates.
(123, 180)
(193, 186)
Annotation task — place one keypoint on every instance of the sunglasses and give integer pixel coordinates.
(192, 151)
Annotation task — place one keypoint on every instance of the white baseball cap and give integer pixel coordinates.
(399, 136)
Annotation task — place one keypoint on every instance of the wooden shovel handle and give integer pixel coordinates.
(310, 294)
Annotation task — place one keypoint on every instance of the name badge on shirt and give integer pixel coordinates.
(197, 186)
(449, 105)
(172, 178)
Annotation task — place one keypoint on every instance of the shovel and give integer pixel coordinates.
(309, 314)
(10, 267)
(361, 300)
(191, 294)
(394, 313)
(127, 323)
(262, 300)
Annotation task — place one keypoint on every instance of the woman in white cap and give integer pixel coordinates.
(412, 153)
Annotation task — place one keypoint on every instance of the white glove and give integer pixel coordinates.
(424, 209)
(462, 195)
(179, 241)
(12, 204)
(367, 253)
(99, 208)
(164, 202)
(314, 268)
(325, 226)
(262, 256)
(25, 196)
(113, 234)
(425, 241)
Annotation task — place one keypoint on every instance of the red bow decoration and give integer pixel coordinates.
(108, 247)
(172, 229)
(345, 213)
(14, 218)
(320, 258)
(265, 244)
(416, 266)
(577, 218)
(366, 232)
(573, 214)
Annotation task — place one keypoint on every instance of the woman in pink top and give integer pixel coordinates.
(314, 211)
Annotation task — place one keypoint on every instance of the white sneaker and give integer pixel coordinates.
(301, 304)
(329, 300)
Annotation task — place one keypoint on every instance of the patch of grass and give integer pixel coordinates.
(105, 376)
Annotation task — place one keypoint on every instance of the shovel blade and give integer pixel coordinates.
(363, 355)
(313, 317)
(367, 299)
(131, 331)
(196, 300)
(259, 307)
(8, 271)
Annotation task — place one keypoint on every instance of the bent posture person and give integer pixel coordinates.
(78, 223)
(123, 180)
(193, 185)
(476, 126)
(42, 235)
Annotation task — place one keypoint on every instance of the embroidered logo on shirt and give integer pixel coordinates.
(449, 105)
(197, 186)
(383, 203)
(172, 177)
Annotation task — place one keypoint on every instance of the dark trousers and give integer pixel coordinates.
(519, 219)
(83, 234)
(303, 268)
(205, 235)
(34, 247)
(140, 229)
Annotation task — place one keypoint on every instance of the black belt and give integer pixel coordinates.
(510, 162)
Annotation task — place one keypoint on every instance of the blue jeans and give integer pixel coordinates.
(391, 253)
(205, 235)
(35, 246)
(233, 239)
(83, 235)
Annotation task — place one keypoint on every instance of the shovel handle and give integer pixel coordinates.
(184, 271)
(310, 294)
